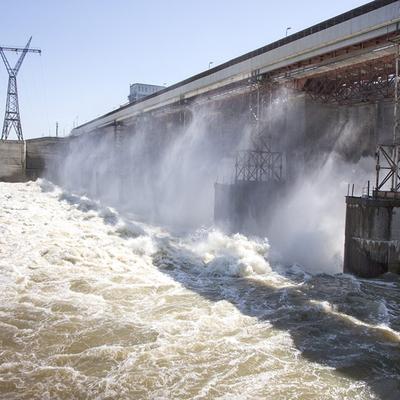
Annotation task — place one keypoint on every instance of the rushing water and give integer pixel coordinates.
(96, 305)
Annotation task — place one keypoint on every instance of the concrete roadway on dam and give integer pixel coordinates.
(363, 35)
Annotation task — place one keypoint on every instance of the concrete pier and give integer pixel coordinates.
(372, 236)
(12, 160)
(44, 156)
(246, 206)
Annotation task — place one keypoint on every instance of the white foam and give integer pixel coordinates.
(87, 312)
(234, 255)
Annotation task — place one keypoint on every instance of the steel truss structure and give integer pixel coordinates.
(367, 82)
(387, 160)
(261, 163)
(390, 154)
(12, 117)
(258, 166)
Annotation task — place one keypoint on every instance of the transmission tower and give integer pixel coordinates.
(12, 117)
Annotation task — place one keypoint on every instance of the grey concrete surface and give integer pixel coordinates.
(12, 161)
(372, 236)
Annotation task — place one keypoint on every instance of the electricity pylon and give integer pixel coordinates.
(12, 117)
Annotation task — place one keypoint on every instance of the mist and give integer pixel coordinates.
(163, 169)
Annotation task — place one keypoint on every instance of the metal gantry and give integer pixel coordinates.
(365, 82)
(387, 161)
(258, 166)
(12, 117)
(261, 163)
(388, 156)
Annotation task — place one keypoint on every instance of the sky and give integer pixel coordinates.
(92, 50)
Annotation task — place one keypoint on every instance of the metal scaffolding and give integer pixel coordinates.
(387, 161)
(387, 156)
(258, 166)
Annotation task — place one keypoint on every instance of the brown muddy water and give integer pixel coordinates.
(94, 305)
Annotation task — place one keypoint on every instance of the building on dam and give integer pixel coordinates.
(138, 91)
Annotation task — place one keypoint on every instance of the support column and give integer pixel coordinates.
(120, 161)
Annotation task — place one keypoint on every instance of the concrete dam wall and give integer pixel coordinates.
(12, 160)
(44, 156)
(22, 160)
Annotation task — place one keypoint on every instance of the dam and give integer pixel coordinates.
(235, 142)
(232, 236)
(265, 120)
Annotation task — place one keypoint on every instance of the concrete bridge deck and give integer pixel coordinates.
(365, 33)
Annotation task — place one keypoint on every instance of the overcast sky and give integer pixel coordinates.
(93, 49)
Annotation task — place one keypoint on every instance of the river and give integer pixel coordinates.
(95, 304)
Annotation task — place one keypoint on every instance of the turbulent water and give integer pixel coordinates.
(94, 305)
